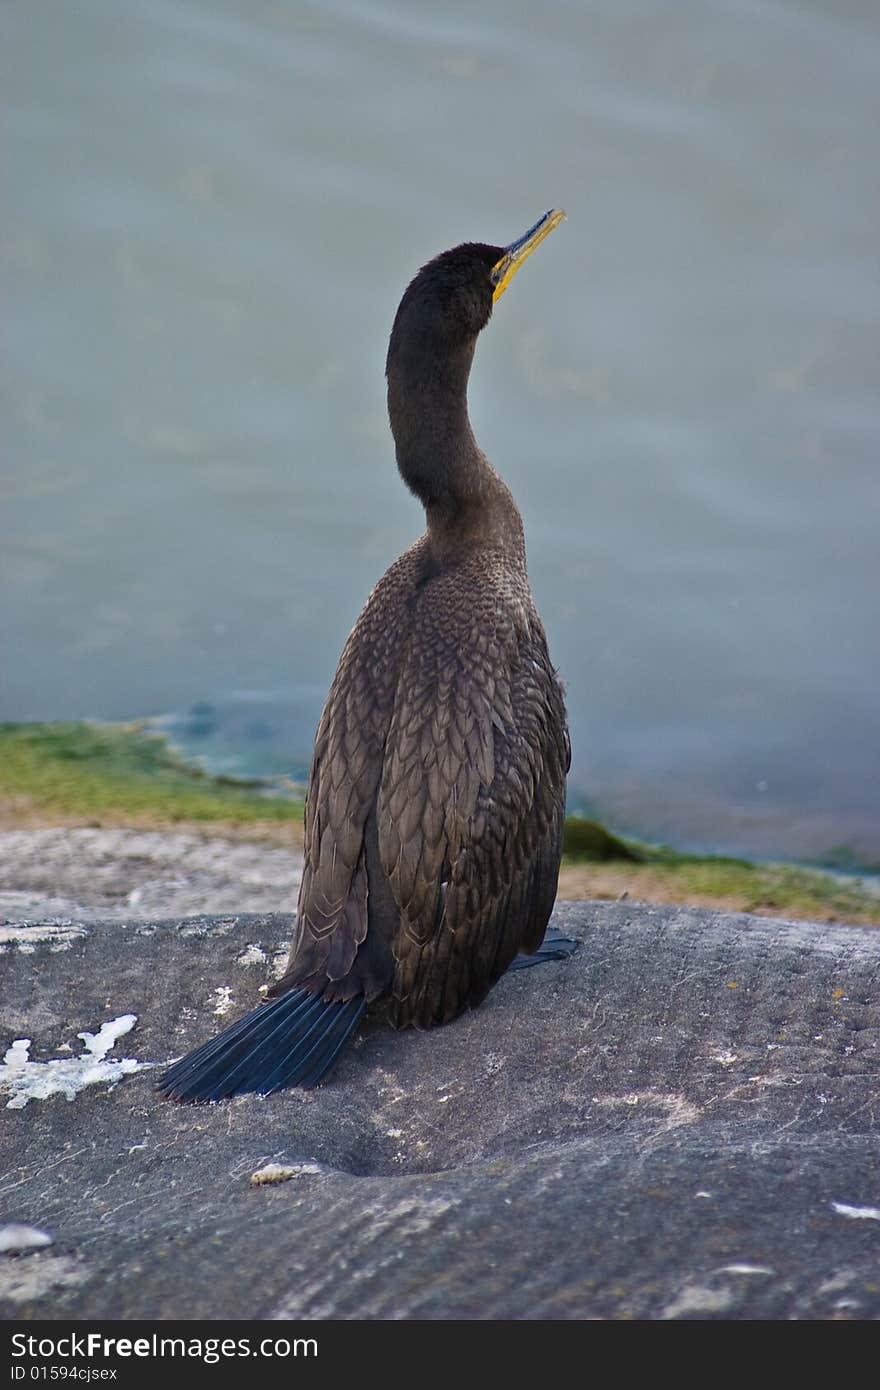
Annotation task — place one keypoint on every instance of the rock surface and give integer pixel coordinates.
(114, 872)
(679, 1122)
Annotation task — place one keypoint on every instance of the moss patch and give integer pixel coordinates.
(95, 773)
(588, 839)
(767, 890)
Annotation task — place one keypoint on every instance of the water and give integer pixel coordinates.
(210, 212)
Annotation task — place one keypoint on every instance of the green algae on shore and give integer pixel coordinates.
(779, 890)
(92, 771)
(589, 840)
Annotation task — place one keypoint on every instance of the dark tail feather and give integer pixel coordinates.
(555, 946)
(293, 1041)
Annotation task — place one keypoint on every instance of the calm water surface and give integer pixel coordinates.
(210, 213)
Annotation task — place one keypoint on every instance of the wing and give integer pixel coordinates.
(343, 780)
(472, 797)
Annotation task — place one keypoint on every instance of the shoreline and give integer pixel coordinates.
(160, 869)
(143, 820)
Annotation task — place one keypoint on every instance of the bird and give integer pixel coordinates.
(436, 793)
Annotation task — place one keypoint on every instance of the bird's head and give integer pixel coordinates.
(450, 301)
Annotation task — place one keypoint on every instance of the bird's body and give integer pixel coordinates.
(436, 794)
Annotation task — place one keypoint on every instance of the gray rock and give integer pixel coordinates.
(114, 873)
(679, 1122)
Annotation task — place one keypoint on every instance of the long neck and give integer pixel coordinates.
(439, 459)
(437, 454)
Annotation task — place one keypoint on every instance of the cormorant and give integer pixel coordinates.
(436, 796)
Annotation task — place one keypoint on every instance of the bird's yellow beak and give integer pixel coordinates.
(519, 251)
